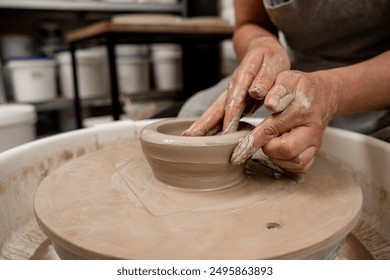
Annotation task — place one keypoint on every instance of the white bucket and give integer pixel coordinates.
(33, 79)
(17, 125)
(165, 2)
(133, 68)
(16, 45)
(167, 66)
(92, 73)
(133, 75)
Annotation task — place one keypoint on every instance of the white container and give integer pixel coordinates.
(92, 73)
(133, 68)
(121, 1)
(17, 125)
(33, 80)
(16, 45)
(133, 75)
(167, 2)
(132, 50)
(167, 66)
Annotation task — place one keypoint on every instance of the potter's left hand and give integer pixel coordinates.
(292, 137)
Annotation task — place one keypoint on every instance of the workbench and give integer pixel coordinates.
(189, 32)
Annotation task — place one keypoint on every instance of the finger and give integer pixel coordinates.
(268, 129)
(238, 91)
(251, 106)
(210, 119)
(299, 164)
(294, 151)
(273, 126)
(264, 80)
(292, 143)
(283, 92)
(216, 129)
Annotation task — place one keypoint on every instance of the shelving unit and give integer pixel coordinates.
(95, 6)
(24, 16)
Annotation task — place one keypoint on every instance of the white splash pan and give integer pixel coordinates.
(24, 167)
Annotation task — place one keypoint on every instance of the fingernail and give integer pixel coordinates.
(272, 104)
(244, 150)
(257, 92)
(279, 99)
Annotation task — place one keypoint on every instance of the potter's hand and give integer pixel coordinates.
(292, 137)
(248, 86)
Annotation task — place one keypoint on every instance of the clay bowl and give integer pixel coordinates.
(201, 163)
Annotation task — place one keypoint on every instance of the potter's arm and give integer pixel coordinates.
(362, 87)
(261, 59)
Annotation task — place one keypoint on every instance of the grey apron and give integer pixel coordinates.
(322, 35)
(332, 33)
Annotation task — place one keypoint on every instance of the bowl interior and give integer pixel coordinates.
(174, 128)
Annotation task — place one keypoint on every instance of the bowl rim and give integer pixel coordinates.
(151, 134)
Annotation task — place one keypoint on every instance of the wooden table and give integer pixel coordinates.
(188, 32)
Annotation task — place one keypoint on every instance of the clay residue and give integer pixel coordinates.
(244, 150)
(19, 234)
(304, 100)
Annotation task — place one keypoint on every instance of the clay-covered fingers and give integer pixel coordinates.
(283, 92)
(275, 60)
(294, 150)
(300, 164)
(211, 120)
(270, 128)
(237, 96)
(302, 104)
(265, 78)
(288, 125)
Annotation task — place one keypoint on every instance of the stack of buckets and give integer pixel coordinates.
(32, 77)
(92, 73)
(133, 67)
(132, 63)
(167, 66)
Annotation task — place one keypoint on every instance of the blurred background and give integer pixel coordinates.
(36, 82)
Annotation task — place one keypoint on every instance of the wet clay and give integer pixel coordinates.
(198, 162)
(109, 205)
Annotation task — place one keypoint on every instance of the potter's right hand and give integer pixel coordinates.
(248, 86)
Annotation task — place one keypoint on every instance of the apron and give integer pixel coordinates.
(322, 35)
(332, 33)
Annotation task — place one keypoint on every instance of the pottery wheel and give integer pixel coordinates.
(108, 205)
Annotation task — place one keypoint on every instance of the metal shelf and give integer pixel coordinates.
(92, 6)
(62, 103)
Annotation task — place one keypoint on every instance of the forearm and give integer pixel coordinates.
(251, 22)
(247, 35)
(360, 87)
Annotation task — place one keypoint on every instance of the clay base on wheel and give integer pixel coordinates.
(108, 205)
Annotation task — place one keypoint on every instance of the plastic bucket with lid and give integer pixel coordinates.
(133, 68)
(16, 45)
(167, 66)
(92, 73)
(33, 79)
(17, 125)
(165, 2)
